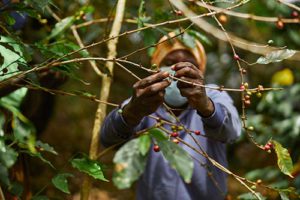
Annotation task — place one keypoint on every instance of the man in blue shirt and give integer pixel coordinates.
(209, 111)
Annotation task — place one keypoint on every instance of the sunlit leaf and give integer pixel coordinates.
(129, 164)
(45, 147)
(12, 53)
(144, 144)
(90, 167)
(199, 36)
(250, 196)
(276, 56)
(284, 196)
(61, 26)
(158, 134)
(60, 182)
(284, 160)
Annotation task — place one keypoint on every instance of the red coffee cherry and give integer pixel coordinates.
(242, 87)
(197, 132)
(279, 24)
(247, 103)
(267, 147)
(174, 134)
(236, 57)
(156, 148)
(295, 14)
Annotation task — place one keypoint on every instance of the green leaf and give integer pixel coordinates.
(142, 14)
(90, 167)
(12, 57)
(4, 179)
(276, 56)
(8, 157)
(40, 5)
(250, 196)
(201, 37)
(287, 193)
(158, 134)
(9, 19)
(61, 26)
(45, 147)
(24, 132)
(87, 9)
(284, 196)
(149, 39)
(178, 158)
(129, 164)
(16, 189)
(60, 182)
(144, 144)
(14, 99)
(188, 40)
(284, 160)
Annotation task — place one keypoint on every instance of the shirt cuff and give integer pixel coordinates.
(216, 119)
(123, 130)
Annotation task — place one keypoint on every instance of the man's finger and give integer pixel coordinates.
(188, 92)
(187, 72)
(150, 80)
(181, 84)
(181, 65)
(153, 89)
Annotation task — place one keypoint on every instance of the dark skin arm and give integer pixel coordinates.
(148, 96)
(196, 95)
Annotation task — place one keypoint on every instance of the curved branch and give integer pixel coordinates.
(219, 34)
(248, 16)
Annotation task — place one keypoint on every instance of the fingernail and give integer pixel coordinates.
(166, 74)
(173, 67)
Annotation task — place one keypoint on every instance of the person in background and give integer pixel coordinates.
(209, 112)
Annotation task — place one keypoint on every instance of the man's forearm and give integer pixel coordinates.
(130, 115)
(206, 108)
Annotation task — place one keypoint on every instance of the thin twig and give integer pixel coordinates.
(2, 197)
(293, 6)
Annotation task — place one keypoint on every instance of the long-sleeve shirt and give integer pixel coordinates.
(161, 182)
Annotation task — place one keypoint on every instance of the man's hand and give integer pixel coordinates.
(148, 96)
(196, 95)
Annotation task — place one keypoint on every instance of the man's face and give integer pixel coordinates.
(178, 56)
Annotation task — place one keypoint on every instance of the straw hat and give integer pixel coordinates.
(164, 48)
